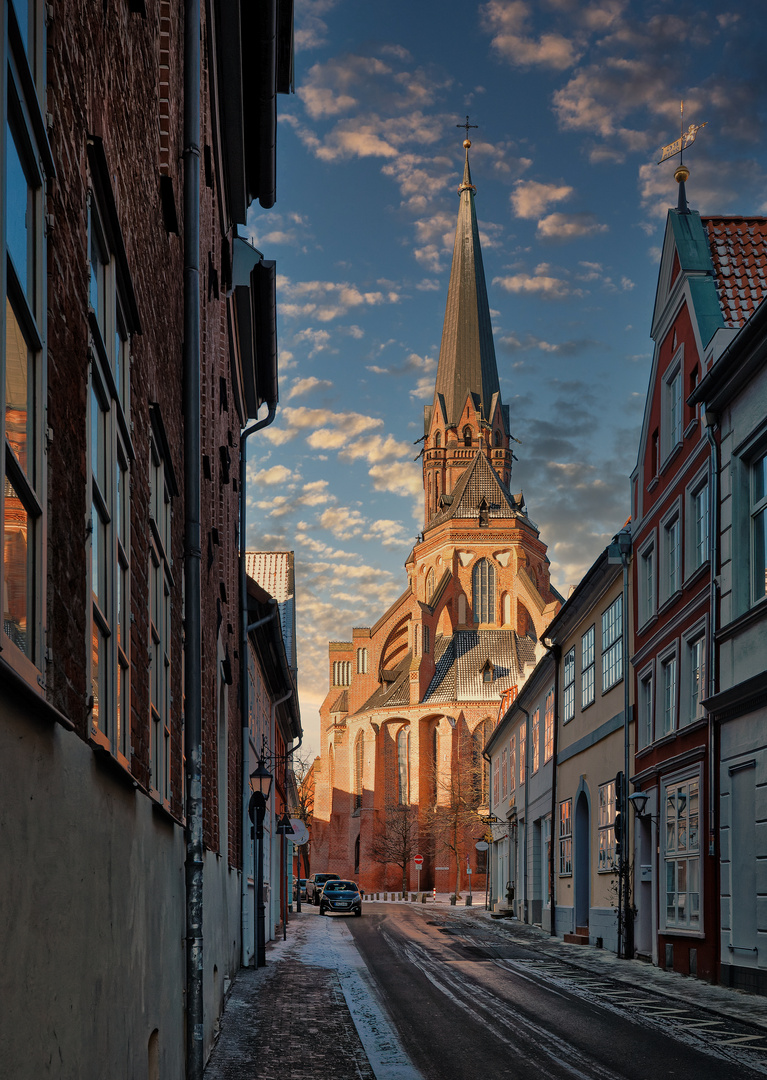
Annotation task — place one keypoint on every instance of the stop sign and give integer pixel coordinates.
(418, 860)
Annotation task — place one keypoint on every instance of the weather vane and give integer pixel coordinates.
(686, 138)
(467, 125)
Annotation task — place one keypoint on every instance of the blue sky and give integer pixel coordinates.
(573, 101)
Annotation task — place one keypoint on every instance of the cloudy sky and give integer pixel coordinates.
(573, 101)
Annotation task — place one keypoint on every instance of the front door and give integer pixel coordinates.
(582, 861)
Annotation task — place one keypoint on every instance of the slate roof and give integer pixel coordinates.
(739, 253)
(460, 661)
(467, 353)
(479, 481)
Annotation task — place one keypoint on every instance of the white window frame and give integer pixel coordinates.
(697, 521)
(160, 627)
(568, 686)
(612, 644)
(667, 695)
(757, 525)
(109, 453)
(523, 752)
(647, 579)
(672, 406)
(496, 779)
(588, 667)
(646, 706)
(535, 740)
(513, 763)
(694, 651)
(23, 571)
(504, 775)
(606, 828)
(566, 838)
(670, 560)
(681, 853)
(548, 727)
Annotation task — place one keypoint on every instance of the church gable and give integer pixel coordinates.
(479, 483)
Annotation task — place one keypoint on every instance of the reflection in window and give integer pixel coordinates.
(19, 220)
(19, 389)
(403, 765)
(17, 569)
(483, 586)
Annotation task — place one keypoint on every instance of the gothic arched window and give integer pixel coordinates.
(403, 766)
(467, 436)
(362, 661)
(483, 591)
(430, 583)
(438, 440)
(497, 438)
(359, 762)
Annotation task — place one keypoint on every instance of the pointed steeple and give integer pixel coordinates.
(467, 355)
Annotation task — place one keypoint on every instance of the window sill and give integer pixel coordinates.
(612, 686)
(690, 428)
(647, 626)
(669, 602)
(653, 484)
(678, 931)
(755, 613)
(116, 763)
(671, 458)
(695, 575)
(29, 694)
(161, 807)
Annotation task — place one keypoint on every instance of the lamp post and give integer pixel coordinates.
(261, 780)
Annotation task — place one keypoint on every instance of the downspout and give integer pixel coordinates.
(711, 422)
(488, 871)
(628, 915)
(244, 679)
(527, 785)
(195, 1028)
(556, 654)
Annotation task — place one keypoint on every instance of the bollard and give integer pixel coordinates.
(412, 898)
(468, 901)
(434, 894)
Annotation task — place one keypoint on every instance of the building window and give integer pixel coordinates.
(671, 557)
(26, 166)
(403, 765)
(438, 439)
(671, 407)
(160, 582)
(693, 674)
(568, 710)
(497, 438)
(342, 673)
(467, 436)
(645, 708)
(362, 661)
(496, 779)
(606, 826)
(681, 841)
(483, 591)
(504, 774)
(523, 752)
(759, 527)
(535, 738)
(548, 729)
(612, 644)
(647, 581)
(359, 763)
(431, 578)
(668, 691)
(697, 519)
(110, 453)
(587, 668)
(566, 837)
(426, 640)
(512, 763)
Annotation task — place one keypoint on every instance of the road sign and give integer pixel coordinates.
(300, 831)
(418, 860)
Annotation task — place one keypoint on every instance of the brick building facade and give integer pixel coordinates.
(94, 721)
(413, 699)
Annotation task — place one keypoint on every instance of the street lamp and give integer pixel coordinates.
(261, 780)
(639, 801)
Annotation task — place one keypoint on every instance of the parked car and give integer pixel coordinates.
(342, 897)
(299, 888)
(314, 886)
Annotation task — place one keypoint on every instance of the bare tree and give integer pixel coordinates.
(454, 820)
(395, 838)
(303, 799)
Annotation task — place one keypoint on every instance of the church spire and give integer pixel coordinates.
(467, 362)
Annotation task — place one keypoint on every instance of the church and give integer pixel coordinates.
(414, 698)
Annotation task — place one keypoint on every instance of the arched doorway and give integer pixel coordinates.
(582, 861)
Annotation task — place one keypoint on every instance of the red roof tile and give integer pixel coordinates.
(739, 252)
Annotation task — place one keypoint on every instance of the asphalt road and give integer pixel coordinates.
(470, 1000)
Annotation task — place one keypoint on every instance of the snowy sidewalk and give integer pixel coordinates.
(311, 1012)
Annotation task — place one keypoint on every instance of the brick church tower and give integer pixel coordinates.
(415, 697)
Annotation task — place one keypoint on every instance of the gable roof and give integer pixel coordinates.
(478, 481)
(461, 658)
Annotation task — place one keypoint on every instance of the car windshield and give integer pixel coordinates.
(340, 886)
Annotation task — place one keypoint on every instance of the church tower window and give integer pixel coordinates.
(359, 761)
(403, 766)
(497, 438)
(430, 582)
(467, 436)
(438, 440)
(483, 591)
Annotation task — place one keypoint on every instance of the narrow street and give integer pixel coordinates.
(469, 997)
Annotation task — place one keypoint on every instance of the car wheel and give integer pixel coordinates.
(358, 913)
(322, 910)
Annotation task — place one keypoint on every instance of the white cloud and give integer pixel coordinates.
(507, 22)
(540, 283)
(530, 198)
(277, 474)
(307, 386)
(569, 227)
(402, 478)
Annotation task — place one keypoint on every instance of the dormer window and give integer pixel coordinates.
(488, 672)
(467, 436)
(484, 515)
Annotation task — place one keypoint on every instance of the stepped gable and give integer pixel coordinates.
(479, 481)
(459, 669)
(739, 253)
